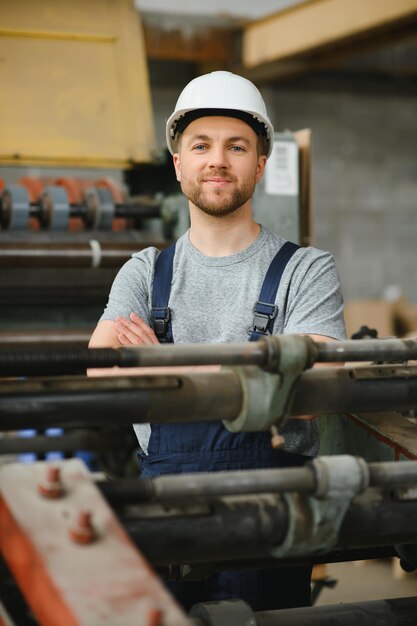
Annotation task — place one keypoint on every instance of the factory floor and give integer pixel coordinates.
(367, 580)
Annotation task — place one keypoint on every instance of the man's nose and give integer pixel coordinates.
(218, 157)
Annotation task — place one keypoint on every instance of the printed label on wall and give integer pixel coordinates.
(281, 172)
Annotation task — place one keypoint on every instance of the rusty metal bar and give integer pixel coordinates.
(205, 396)
(397, 611)
(84, 542)
(135, 210)
(76, 254)
(207, 485)
(265, 353)
(69, 442)
(339, 390)
(41, 362)
(57, 337)
(390, 350)
(250, 526)
(80, 401)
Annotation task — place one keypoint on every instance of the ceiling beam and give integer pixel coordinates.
(295, 34)
(208, 45)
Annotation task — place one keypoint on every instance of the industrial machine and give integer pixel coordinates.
(86, 547)
(83, 539)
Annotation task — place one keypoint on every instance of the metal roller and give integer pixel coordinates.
(15, 208)
(100, 208)
(54, 209)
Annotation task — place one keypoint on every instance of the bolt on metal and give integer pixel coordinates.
(51, 486)
(82, 530)
(277, 440)
(154, 617)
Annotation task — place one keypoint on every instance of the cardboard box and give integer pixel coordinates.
(376, 314)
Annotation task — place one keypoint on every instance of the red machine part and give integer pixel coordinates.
(34, 187)
(100, 579)
(73, 189)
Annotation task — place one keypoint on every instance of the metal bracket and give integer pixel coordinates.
(267, 395)
(315, 521)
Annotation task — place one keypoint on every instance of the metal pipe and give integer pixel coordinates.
(264, 353)
(345, 555)
(338, 389)
(208, 485)
(36, 255)
(390, 475)
(214, 484)
(228, 529)
(145, 209)
(32, 362)
(55, 337)
(80, 401)
(63, 443)
(401, 611)
(390, 350)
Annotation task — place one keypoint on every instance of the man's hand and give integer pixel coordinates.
(134, 331)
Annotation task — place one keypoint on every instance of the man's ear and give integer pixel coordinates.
(177, 165)
(262, 159)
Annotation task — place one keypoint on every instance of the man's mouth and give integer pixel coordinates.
(217, 181)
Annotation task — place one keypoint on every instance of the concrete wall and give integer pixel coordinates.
(364, 174)
(364, 181)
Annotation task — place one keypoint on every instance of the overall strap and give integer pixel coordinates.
(161, 313)
(265, 309)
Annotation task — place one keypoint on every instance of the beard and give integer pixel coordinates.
(218, 202)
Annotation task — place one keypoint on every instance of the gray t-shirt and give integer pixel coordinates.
(212, 301)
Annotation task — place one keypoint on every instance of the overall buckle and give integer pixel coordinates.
(265, 313)
(161, 317)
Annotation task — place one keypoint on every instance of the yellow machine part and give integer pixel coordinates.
(74, 84)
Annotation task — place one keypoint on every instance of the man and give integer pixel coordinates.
(220, 137)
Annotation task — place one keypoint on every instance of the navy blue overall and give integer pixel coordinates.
(208, 446)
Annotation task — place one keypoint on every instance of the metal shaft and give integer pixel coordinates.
(134, 210)
(55, 337)
(36, 255)
(250, 526)
(206, 485)
(400, 611)
(338, 389)
(80, 401)
(264, 353)
(390, 350)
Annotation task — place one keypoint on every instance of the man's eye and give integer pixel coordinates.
(237, 149)
(199, 147)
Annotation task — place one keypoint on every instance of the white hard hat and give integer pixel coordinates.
(223, 93)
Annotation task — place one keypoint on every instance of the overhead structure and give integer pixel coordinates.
(319, 33)
(76, 80)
